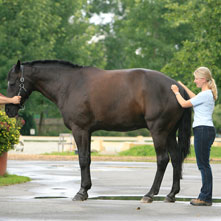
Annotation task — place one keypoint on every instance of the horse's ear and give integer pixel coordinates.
(18, 66)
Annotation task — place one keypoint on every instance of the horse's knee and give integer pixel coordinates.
(84, 162)
(162, 161)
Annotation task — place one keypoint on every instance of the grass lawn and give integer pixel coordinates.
(9, 179)
(69, 153)
(146, 150)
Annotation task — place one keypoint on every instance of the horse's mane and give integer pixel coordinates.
(58, 62)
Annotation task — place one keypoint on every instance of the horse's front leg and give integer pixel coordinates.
(83, 140)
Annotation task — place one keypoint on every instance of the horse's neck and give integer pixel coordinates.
(50, 85)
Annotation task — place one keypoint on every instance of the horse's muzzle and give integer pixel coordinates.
(11, 110)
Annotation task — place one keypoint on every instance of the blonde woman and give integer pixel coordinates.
(203, 128)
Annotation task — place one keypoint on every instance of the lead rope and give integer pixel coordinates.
(22, 86)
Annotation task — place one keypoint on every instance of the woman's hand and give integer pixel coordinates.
(174, 88)
(16, 99)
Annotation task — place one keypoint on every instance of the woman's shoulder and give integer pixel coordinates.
(203, 96)
(205, 93)
(206, 96)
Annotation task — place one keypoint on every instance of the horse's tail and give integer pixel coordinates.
(184, 132)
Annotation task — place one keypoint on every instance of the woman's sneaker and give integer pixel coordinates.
(198, 202)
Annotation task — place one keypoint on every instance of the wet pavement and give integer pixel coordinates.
(54, 183)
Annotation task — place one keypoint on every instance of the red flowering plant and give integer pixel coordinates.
(9, 132)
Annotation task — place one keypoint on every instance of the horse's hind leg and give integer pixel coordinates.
(82, 139)
(162, 161)
(175, 156)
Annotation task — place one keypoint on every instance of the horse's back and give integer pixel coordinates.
(130, 97)
(149, 88)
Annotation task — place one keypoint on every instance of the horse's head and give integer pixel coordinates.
(17, 85)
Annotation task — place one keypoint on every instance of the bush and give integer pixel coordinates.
(29, 123)
(217, 118)
(9, 132)
(142, 150)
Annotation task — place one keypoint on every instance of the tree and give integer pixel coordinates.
(29, 123)
(46, 29)
(74, 34)
(139, 35)
(26, 32)
(204, 49)
(172, 36)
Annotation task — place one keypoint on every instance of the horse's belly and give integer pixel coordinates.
(120, 123)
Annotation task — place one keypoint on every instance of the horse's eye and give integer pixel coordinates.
(11, 84)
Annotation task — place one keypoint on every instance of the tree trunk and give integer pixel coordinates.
(40, 123)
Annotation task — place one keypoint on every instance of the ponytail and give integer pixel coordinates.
(212, 86)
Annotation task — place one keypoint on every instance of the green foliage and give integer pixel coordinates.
(26, 29)
(204, 47)
(140, 36)
(142, 150)
(215, 152)
(29, 123)
(32, 30)
(64, 153)
(74, 34)
(173, 36)
(217, 118)
(69, 153)
(9, 132)
(8, 179)
(148, 150)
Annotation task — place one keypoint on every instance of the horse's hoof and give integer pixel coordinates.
(80, 197)
(146, 199)
(169, 199)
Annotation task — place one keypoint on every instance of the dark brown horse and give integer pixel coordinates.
(91, 99)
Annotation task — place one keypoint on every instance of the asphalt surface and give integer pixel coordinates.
(54, 183)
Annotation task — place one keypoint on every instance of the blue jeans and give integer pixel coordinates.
(203, 139)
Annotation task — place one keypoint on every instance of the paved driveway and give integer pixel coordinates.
(48, 195)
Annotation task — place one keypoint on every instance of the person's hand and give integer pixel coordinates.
(174, 88)
(16, 100)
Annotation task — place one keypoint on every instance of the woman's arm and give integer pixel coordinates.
(8, 100)
(184, 103)
(189, 92)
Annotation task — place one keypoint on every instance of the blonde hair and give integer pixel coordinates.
(204, 72)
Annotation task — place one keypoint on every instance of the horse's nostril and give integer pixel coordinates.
(8, 110)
